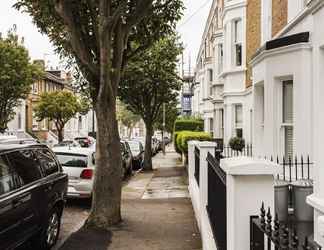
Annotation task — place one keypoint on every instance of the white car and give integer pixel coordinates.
(79, 165)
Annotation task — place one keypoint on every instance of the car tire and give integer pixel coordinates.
(49, 234)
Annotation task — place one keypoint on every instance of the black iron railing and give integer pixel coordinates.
(197, 165)
(216, 203)
(294, 168)
(267, 233)
(228, 152)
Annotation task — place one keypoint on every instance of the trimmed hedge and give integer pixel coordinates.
(188, 125)
(185, 136)
(175, 137)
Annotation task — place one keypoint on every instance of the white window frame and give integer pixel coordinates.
(238, 126)
(220, 51)
(237, 42)
(284, 124)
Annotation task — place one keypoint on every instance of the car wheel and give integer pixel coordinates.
(50, 231)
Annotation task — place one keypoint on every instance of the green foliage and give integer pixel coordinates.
(237, 143)
(190, 124)
(175, 137)
(16, 76)
(125, 116)
(171, 114)
(59, 107)
(185, 136)
(151, 80)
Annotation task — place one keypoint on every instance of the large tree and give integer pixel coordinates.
(16, 76)
(101, 36)
(149, 81)
(59, 107)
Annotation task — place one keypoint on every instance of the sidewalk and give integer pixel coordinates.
(157, 214)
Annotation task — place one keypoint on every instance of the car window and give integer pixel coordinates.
(72, 160)
(25, 165)
(6, 177)
(47, 161)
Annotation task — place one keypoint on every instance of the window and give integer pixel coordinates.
(211, 126)
(19, 120)
(25, 165)
(238, 42)
(72, 160)
(220, 58)
(239, 120)
(46, 161)
(7, 183)
(210, 82)
(35, 122)
(288, 117)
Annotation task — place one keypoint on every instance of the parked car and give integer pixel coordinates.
(137, 150)
(68, 143)
(127, 158)
(85, 141)
(79, 165)
(19, 141)
(32, 196)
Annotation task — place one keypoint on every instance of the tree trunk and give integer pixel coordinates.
(105, 210)
(60, 135)
(148, 147)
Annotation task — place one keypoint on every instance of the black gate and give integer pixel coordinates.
(197, 164)
(216, 204)
(267, 233)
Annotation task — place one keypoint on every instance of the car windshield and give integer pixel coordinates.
(134, 146)
(72, 160)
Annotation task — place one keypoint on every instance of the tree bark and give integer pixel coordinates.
(106, 200)
(148, 147)
(60, 135)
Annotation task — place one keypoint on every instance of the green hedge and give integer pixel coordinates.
(185, 136)
(175, 137)
(188, 125)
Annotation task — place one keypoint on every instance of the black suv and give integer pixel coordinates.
(32, 196)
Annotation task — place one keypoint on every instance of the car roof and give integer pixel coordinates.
(73, 150)
(9, 147)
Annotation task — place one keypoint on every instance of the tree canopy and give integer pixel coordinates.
(100, 37)
(171, 114)
(17, 74)
(149, 81)
(59, 107)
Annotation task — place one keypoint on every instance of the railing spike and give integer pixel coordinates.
(276, 230)
(262, 216)
(294, 240)
(269, 221)
(285, 239)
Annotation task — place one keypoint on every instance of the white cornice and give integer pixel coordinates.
(234, 71)
(245, 92)
(273, 52)
(232, 7)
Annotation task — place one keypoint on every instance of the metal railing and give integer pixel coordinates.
(228, 152)
(197, 165)
(267, 233)
(216, 201)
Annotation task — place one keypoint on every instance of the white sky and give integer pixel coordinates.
(190, 28)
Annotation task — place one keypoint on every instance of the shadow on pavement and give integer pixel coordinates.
(88, 239)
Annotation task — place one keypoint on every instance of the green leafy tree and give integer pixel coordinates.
(59, 107)
(149, 81)
(16, 76)
(100, 37)
(127, 117)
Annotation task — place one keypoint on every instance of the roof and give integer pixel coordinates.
(10, 147)
(73, 150)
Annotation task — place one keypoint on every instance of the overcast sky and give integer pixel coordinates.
(190, 28)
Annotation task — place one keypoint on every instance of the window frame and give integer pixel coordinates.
(237, 42)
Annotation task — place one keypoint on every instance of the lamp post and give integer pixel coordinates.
(163, 129)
